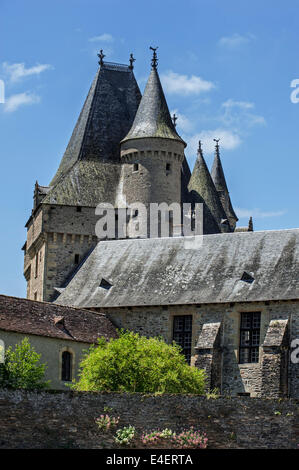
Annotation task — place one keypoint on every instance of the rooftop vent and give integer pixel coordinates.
(105, 284)
(247, 277)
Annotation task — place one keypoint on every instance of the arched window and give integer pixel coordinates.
(66, 366)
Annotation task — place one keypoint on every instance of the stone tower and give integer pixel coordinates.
(61, 228)
(152, 153)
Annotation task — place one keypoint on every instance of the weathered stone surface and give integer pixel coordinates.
(66, 419)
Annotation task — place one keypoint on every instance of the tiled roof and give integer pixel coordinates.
(55, 321)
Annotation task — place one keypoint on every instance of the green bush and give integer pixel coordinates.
(133, 363)
(21, 368)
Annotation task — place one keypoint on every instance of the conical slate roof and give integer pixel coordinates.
(218, 178)
(90, 167)
(153, 118)
(203, 190)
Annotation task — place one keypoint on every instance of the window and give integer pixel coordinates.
(249, 337)
(79, 209)
(182, 334)
(135, 167)
(66, 366)
(105, 284)
(168, 167)
(35, 295)
(36, 265)
(76, 260)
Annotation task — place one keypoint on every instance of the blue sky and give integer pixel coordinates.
(226, 68)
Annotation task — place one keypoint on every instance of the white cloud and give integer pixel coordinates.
(235, 40)
(20, 99)
(237, 104)
(175, 83)
(238, 113)
(229, 140)
(183, 123)
(105, 37)
(257, 213)
(18, 71)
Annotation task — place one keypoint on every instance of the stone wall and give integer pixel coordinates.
(235, 377)
(66, 419)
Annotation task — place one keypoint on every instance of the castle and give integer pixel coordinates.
(232, 303)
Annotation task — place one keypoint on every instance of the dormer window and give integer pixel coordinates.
(135, 167)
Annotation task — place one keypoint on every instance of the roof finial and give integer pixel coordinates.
(174, 119)
(199, 151)
(101, 57)
(154, 58)
(250, 225)
(217, 146)
(131, 60)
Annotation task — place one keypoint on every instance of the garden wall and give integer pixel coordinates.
(66, 419)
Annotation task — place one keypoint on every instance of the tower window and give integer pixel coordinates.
(66, 366)
(77, 258)
(135, 167)
(249, 337)
(182, 334)
(79, 209)
(135, 213)
(36, 265)
(168, 166)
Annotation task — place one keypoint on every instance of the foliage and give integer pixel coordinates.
(187, 439)
(106, 422)
(125, 435)
(214, 394)
(133, 363)
(21, 368)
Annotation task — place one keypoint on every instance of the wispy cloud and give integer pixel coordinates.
(105, 37)
(239, 114)
(257, 213)
(238, 104)
(229, 141)
(15, 101)
(235, 40)
(175, 83)
(17, 71)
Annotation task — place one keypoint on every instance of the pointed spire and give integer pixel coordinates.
(250, 225)
(218, 178)
(153, 118)
(202, 184)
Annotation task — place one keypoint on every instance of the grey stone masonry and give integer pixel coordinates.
(208, 353)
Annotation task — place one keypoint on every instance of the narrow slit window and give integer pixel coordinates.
(168, 166)
(77, 259)
(66, 366)
(135, 167)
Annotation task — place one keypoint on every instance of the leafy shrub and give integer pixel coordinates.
(133, 363)
(21, 368)
(124, 436)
